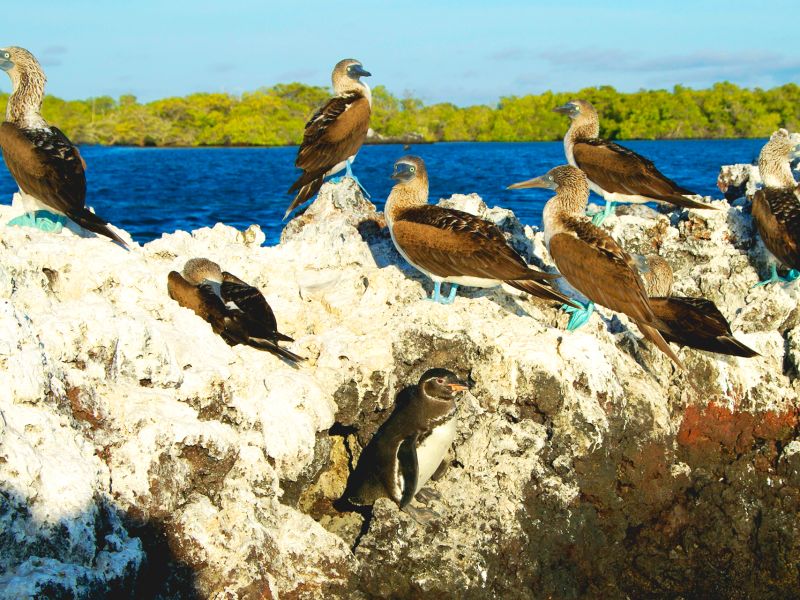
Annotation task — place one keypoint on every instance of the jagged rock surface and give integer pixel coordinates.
(141, 454)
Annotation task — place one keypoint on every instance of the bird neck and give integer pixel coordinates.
(406, 195)
(776, 175)
(584, 127)
(25, 104)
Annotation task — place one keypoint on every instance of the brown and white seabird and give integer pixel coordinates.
(589, 259)
(454, 246)
(235, 310)
(616, 173)
(776, 207)
(335, 133)
(47, 167)
(693, 322)
(411, 446)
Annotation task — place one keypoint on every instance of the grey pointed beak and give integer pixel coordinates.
(641, 263)
(359, 71)
(402, 172)
(540, 182)
(6, 65)
(567, 109)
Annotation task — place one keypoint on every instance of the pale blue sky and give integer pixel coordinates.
(460, 51)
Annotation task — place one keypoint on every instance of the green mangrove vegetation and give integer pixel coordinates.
(275, 116)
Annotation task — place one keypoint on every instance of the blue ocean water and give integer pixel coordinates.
(150, 191)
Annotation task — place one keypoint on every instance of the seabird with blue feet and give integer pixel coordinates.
(47, 167)
(236, 311)
(693, 322)
(589, 259)
(335, 133)
(411, 447)
(776, 207)
(616, 173)
(454, 246)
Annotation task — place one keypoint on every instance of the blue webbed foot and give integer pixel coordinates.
(43, 220)
(775, 278)
(602, 215)
(579, 315)
(349, 173)
(793, 275)
(437, 295)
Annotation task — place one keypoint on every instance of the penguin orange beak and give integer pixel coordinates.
(458, 386)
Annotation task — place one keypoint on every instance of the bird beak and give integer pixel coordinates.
(641, 263)
(458, 386)
(215, 286)
(6, 65)
(568, 109)
(795, 152)
(402, 172)
(359, 71)
(539, 182)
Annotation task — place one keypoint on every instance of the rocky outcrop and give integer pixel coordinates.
(141, 454)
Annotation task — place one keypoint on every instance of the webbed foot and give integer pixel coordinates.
(775, 278)
(579, 315)
(421, 514)
(43, 220)
(437, 296)
(602, 215)
(427, 495)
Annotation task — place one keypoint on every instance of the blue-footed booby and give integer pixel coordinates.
(454, 246)
(589, 259)
(693, 322)
(48, 169)
(616, 173)
(235, 310)
(776, 207)
(335, 133)
(411, 446)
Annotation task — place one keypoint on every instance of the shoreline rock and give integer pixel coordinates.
(142, 454)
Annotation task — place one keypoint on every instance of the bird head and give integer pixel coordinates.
(565, 176)
(346, 75)
(19, 64)
(408, 169)
(575, 109)
(442, 384)
(201, 271)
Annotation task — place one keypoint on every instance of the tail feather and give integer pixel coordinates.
(273, 348)
(90, 221)
(541, 291)
(307, 191)
(685, 202)
(654, 336)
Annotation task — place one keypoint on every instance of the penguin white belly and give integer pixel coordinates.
(432, 450)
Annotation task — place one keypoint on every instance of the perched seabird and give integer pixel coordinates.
(236, 311)
(693, 322)
(335, 133)
(410, 447)
(454, 246)
(616, 173)
(589, 259)
(776, 207)
(48, 169)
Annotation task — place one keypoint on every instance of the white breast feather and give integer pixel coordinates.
(432, 451)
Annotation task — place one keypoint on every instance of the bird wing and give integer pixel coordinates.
(698, 323)
(452, 243)
(777, 214)
(46, 166)
(601, 270)
(408, 467)
(619, 170)
(205, 304)
(334, 133)
(256, 314)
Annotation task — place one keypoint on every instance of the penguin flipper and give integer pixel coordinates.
(408, 468)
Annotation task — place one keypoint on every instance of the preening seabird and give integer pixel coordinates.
(236, 311)
(776, 207)
(616, 173)
(589, 259)
(335, 133)
(693, 322)
(48, 169)
(411, 446)
(454, 246)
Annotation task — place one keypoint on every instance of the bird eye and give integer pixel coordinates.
(440, 380)
(412, 169)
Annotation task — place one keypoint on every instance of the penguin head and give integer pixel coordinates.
(441, 384)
